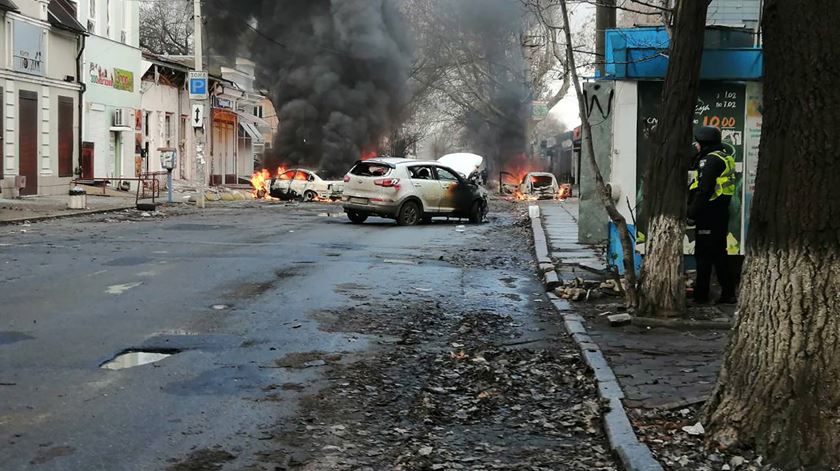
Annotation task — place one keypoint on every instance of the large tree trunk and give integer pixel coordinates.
(779, 389)
(663, 287)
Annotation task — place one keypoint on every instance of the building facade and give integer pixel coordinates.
(235, 126)
(111, 73)
(39, 96)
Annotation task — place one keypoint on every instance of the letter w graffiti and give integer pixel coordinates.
(593, 101)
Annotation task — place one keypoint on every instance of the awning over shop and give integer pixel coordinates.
(251, 119)
(252, 131)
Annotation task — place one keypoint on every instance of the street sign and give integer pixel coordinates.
(197, 116)
(198, 85)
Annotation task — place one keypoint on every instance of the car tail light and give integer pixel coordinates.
(346, 178)
(388, 182)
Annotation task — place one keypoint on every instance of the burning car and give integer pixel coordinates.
(539, 186)
(411, 192)
(302, 184)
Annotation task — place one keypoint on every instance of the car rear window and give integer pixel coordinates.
(541, 180)
(370, 169)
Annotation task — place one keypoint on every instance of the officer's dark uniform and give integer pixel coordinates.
(710, 194)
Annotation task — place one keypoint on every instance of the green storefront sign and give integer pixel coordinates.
(123, 80)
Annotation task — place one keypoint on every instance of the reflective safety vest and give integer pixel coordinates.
(725, 184)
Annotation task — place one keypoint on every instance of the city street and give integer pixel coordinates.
(286, 338)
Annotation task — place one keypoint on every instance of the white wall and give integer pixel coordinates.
(158, 100)
(625, 120)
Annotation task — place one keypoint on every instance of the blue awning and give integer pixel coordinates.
(642, 54)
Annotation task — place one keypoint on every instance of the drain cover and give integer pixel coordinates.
(132, 358)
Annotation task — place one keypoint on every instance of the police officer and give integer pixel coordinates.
(710, 193)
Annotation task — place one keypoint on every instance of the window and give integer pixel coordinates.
(258, 111)
(420, 173)
(91, 22)
(370, 169)
(446, 176)
(182, 130)
(146, 124)
(108, 18)
(167, 130)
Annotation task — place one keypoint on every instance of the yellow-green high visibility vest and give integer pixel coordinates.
(725, 183)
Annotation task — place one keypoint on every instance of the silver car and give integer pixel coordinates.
(411, 192)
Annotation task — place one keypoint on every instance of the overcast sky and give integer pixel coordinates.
(582, 16)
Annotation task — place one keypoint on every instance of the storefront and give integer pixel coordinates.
(112, 76)
(39, 95)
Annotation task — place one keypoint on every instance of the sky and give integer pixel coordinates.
(582, 17)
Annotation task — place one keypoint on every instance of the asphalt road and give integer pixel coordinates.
(77, 292)
(241, 295)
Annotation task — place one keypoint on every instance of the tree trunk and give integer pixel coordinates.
(779, 389)
(663, 286)
(631, 293)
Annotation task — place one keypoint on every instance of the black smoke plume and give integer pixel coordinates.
(337, 71)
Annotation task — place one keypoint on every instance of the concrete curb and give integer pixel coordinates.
(634, 455)
(63, 216)
(549, 271)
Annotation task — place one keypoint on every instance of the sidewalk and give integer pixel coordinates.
(656, 367)
(44, 207)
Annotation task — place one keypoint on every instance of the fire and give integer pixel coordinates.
(260, 181)
(367, 155)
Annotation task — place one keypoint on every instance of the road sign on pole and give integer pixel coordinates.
(197, 116)
(198, 85)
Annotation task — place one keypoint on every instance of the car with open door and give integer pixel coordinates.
(411, 192)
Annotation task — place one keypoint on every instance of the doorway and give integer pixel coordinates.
(28, 146)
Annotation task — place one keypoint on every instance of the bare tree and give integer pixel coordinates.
(779, 389)
(600, 186)
(166, 27)
(485, 62)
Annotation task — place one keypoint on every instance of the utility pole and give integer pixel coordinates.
(604, 20)
(199, 137)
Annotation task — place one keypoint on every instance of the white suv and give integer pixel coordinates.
(411, 192)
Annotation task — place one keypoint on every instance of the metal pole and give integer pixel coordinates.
(169, 185)
(199, 132)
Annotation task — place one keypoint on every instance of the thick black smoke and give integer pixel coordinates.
(337, 71)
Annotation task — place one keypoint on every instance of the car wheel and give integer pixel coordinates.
(410, 214)
(310, 195)
(477, 211)
(357, 218)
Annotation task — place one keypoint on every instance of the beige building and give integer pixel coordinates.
(39, 96)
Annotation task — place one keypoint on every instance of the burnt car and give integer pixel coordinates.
(539, 186)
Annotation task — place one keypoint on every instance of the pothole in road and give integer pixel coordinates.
(131, 358)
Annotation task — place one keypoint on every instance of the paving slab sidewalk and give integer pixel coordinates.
(45, 207)
(656, 367)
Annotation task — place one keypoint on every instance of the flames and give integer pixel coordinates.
(367, 155)
(261, 182)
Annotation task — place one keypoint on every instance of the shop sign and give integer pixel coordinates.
(118, 79)
(28, 48)
(123, 80)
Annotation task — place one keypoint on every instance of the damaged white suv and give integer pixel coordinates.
(411, 192)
